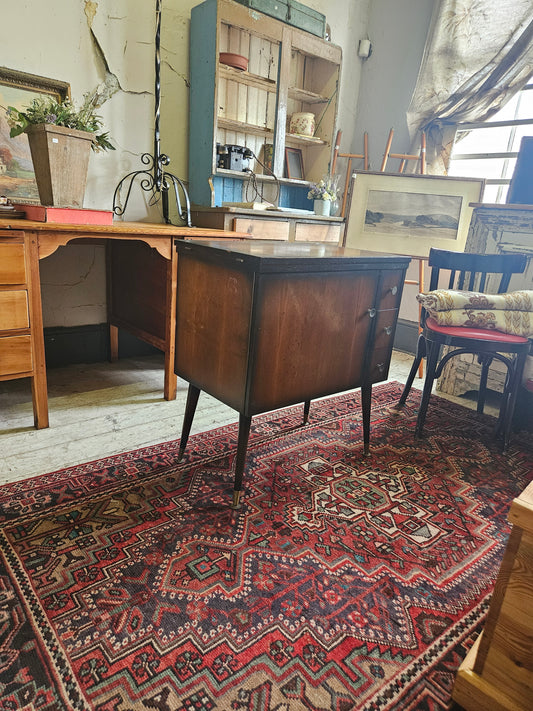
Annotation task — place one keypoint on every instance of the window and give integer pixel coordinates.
(489, 149)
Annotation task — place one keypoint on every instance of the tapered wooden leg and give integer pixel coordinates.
(366, 402)
(113, 343)
(38, 380)
(190, 408)
(420, 354)
(307, 405)
(242, 446)
(171, 380)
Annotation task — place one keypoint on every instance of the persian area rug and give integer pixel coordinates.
(343, 582)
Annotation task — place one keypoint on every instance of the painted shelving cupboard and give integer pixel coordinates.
(289, 71)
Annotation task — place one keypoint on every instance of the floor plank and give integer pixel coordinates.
(102, 409)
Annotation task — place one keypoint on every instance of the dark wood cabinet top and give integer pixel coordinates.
(276, 256)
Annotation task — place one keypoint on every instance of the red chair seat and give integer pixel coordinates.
(481, 334)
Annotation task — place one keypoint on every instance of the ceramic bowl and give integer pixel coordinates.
(234, 60)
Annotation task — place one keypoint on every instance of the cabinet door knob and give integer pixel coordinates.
(372, 312)
(388, 330)
(394, 290)
(380, 367)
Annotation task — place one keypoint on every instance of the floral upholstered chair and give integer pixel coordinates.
(467, 319)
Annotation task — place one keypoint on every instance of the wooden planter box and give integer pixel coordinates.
(60, 160)
(497, 673)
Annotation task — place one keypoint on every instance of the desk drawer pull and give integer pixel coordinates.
(388, 330)
(394, 290)
(372, 313)
(380, 367)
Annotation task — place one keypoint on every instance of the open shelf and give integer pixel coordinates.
(253, 80)
(305, 140)
(242, 127)
(307, 97)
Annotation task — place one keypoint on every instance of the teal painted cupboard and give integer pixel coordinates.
(289, 71)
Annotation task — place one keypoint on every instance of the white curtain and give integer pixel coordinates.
(478, 54)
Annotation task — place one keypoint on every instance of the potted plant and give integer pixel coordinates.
(323, 194)
(60, 138)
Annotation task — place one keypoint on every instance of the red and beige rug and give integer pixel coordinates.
(343, 583)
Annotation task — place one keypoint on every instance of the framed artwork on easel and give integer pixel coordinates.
(408, 214)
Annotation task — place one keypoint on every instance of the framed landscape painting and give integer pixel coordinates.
(408, 214)
(17, 179)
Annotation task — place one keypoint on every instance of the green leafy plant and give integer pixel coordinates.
(47, 109)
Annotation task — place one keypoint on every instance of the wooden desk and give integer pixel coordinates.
(263, 325)
(141, 292)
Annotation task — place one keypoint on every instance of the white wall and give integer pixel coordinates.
(397, 30)
(111, 43)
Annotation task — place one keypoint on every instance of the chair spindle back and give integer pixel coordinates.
(469, 272)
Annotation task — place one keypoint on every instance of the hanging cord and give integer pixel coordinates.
(325, 109)
(256, 189)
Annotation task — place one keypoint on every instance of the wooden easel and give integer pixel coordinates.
(403, 158)
(351, 156)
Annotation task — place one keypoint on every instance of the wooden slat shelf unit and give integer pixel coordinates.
(289, 71)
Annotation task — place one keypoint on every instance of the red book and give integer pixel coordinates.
(66, 215)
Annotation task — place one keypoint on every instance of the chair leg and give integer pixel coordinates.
(420, 353)
(510, 401)
(433, 352)
(485, 361)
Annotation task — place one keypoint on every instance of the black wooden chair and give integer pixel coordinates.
(469, 272)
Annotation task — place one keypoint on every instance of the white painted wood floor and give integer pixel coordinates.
(102, 409)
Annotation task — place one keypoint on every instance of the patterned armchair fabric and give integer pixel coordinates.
(509, 313)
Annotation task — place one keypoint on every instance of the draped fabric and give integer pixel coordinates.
(479, 53)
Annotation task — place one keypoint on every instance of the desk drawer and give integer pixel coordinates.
(262, 229)
(324, 232)
(15, 355)
(14, 310)
(385, 327)
(12, 265)
(379, 365)
(391, 290)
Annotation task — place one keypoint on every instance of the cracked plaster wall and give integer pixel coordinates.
(110, 44)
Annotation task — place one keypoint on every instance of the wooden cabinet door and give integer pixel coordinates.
(312, 335)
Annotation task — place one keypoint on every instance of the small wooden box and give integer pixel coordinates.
(292, 12)
(497, 674)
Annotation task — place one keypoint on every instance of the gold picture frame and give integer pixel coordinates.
(408, 214)
(17, 179)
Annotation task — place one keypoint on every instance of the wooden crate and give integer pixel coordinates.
(497, 674)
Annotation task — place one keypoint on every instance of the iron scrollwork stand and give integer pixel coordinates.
(155, 178)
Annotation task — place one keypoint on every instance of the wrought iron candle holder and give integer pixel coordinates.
(154, 178)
